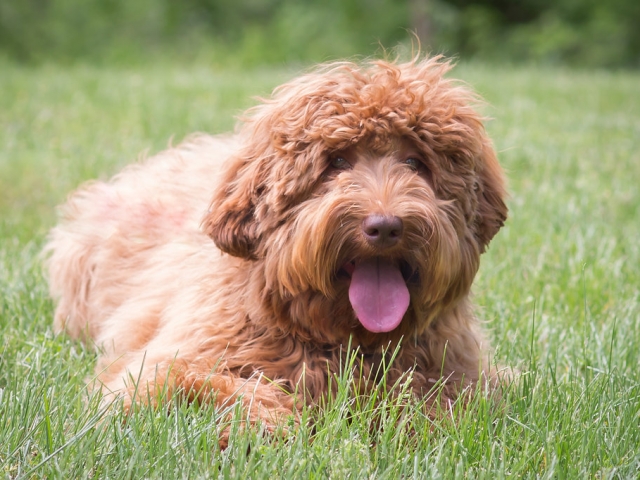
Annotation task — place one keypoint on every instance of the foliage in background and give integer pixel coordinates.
(578, 32)
(250, 32)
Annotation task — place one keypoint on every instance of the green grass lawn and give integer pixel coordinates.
(559, 289)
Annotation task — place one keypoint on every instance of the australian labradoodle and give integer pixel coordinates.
(351, 208)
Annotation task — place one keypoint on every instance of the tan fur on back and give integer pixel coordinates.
(221, 267)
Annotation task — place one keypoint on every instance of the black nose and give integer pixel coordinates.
(382, 231)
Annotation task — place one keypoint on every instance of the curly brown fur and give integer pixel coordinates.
(266, 309)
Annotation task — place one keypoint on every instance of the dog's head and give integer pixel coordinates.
(368, 193)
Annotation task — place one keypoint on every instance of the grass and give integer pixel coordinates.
(559, 289)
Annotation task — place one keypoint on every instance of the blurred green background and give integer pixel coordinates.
(584, 33)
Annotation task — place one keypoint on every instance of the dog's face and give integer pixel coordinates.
(365, 196)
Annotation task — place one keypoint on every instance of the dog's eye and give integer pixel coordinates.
(339, 163)
(413, 163)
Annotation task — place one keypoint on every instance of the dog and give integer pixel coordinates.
(350, 209)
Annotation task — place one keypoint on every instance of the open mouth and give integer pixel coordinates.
(378, 291)
(410, 274)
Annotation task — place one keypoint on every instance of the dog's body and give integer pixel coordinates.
(352, 208)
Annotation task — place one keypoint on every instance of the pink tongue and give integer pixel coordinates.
(378, 294)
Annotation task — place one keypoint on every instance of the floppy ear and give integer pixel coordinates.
(255, 195)
(231, 221)
(491, 191)
(262, 182)
(278, 165)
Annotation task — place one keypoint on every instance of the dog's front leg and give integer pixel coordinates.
(262, 401)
